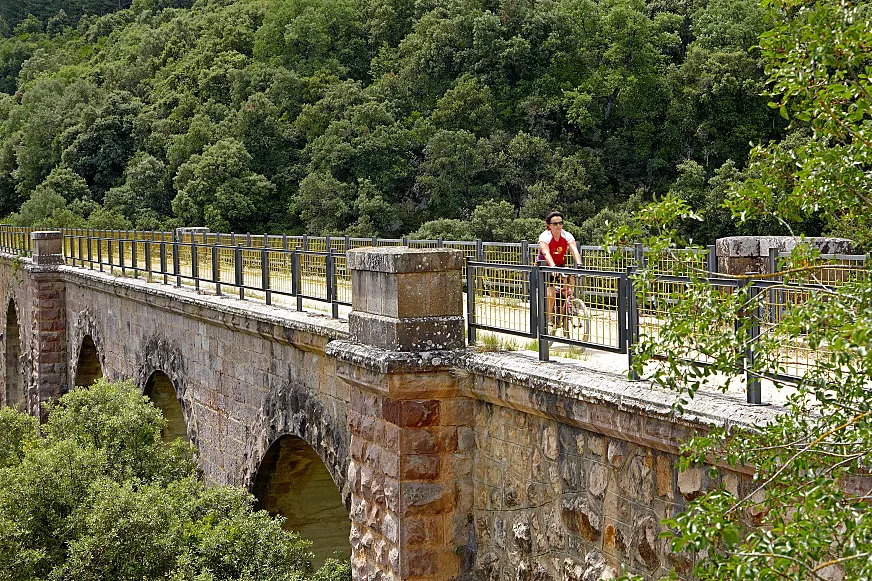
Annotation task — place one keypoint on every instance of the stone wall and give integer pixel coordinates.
(574, 473)
(245, 374)
(454, 464)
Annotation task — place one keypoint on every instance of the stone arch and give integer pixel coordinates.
(88, 367)
(162, 369)
(88, 353)
(293, 410)
(293, 481)
(16, 388)
(293, 422)
(162, 393)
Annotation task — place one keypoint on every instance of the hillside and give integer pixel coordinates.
(379, 116)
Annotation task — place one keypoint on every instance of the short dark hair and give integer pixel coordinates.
(552, 215)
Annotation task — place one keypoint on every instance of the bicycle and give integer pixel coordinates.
(570, 312)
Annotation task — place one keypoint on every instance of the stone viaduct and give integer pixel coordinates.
(382, 436)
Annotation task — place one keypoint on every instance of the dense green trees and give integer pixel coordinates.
(95, 494)
(375, 116)
(805, 514)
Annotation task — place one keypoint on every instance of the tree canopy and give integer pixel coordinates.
(95, 494)
(377, 116)
(805, 513)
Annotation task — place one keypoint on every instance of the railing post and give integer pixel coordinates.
(470, 303)
(406, 241)
(544, 344)
(121, 257)
(133, 257)
(100, 253)
(264, 273)
(752, 381)
(237, 259)
(773, 260)
(327, 243)
(375, 240)
(163, 260)
(176, 265)
(331, 284)
(632, 315)
(534, 300)
(639, 255)
(712, 259)
(525, 252)
(216, 269)
(439, 242)
(195, 265)
(479, 250)
(305, 242)
(347, 243)
(248, 239)
(295, 278)
(148, 260)
(285, 242)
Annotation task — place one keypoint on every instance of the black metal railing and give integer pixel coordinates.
(595, 306)
(269, 273)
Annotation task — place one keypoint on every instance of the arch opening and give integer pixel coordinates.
(89, 369)
(293, 481)
(15, 392)
(159, 389)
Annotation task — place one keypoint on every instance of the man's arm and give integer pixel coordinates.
(546, 252)
(574, 247)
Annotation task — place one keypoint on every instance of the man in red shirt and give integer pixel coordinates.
(553, 244)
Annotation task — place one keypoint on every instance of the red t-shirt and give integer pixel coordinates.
(557, 247)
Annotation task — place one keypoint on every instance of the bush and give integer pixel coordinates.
(97, 496)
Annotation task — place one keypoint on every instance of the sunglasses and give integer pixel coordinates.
(556, 223)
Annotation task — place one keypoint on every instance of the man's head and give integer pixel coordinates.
(554, 221)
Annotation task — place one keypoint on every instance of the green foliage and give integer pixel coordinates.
(19, 430)
(98, 496)
(374, 117)
(805, 513)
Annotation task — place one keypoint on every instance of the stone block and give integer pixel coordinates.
(412, 413)
(750, 254)
(426, 498)
(420, 467)
(419, 294)
(48, 248)
(410, 334)
(403, 260)
(422, 531)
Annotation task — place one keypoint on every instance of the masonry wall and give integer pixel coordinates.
(245, 374)
(555, 472)
(574, 472)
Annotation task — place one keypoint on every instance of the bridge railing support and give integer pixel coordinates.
(49, 340)
(411, 428)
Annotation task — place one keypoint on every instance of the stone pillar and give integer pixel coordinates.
(49, 330)
(739, 255)
(411, 429)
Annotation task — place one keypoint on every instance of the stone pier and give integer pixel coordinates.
(411, 431)
(49, 325)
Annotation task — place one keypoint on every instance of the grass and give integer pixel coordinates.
(488, 342)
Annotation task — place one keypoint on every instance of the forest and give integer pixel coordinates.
(453, 118)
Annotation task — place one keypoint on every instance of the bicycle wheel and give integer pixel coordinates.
(579, 318)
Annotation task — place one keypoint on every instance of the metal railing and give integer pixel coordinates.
(603, 310)
(16, 240)
(595, 306)
(273, 274)
(828, 269)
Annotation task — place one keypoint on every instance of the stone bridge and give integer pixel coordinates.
(383, 436)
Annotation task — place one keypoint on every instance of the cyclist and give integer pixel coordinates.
(553, 244)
